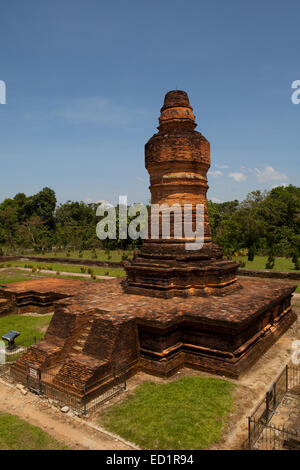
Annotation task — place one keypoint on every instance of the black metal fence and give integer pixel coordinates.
(86, 399)
(260, 432)
(273, 437)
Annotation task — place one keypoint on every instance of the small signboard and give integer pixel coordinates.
(33, 373)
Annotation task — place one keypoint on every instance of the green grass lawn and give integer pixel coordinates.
(28, 326)
(114, 255)
(259, 262)
(70, 268)
(186, 414)
(17, 434)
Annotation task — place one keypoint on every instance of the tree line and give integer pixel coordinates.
(265, 223)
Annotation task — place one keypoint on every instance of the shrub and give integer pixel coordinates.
(270, 262)
(82, 269)
(57, 273)
(90, 271)
(124, 256)
(296, 262)
(251, 253)
(106, 273)
(242, 264)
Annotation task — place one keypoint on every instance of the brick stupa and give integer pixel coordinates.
(177, 159)
(166, 314)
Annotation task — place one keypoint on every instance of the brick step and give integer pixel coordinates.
(78, 346)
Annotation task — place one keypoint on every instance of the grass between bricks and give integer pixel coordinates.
(17, 434)
(186, 414)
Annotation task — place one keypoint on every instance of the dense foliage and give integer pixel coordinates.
(265, 223)
(37, 223)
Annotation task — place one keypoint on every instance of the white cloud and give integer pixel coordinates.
(221, 166)
(238, 176)
(281, 184)
(215, 173)
(215, 199)
(269, 174)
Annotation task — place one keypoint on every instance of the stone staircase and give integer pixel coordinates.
(79, 344)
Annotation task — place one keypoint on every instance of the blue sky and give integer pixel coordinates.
(86, 79)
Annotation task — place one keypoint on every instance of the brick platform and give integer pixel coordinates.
(98, 325)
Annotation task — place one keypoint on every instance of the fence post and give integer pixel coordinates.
(249, 432)
(84, 400)
(40, 379)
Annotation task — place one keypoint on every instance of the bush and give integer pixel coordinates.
(242, 264)
(124, 256)
(296, 262)
(90, 271)
(270, 262)
(80, 254)
(251, 253)
(106, 273)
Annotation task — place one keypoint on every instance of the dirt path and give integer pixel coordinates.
(72, 431)
(63, 273)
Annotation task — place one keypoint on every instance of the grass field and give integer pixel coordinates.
(114, 255)
(187, 414)
(259, 262)
(28, 326)
(70, 268)
(17, 434)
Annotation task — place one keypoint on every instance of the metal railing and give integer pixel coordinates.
(86, 398)
(274, 437)
(260, 432)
